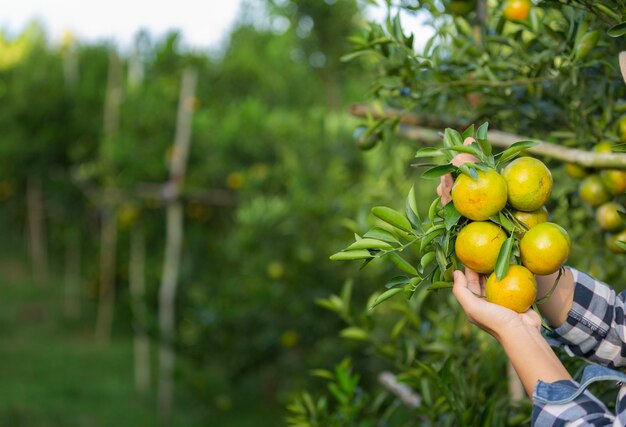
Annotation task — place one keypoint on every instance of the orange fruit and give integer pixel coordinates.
(530, 219)
(516, 291)
(234, 180)
(608, 216)
(575, 171)
(612, 240)
(529, 183)
(517, 10)
(478, 199)
(614, 180)
(593, 192)
(603, 147)
(478, 244)
(460, 7)
(545, 248)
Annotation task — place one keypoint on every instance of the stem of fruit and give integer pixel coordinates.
(547, 296)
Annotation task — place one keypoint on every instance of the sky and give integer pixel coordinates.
(205, 24)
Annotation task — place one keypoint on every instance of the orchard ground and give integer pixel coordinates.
(48, 362)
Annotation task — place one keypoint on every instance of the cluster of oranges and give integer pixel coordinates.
(521, 190)
(603, 190)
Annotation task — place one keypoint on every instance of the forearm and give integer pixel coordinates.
(532, 357)
(557, 306)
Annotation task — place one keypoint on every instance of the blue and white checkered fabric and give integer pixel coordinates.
(595, 330)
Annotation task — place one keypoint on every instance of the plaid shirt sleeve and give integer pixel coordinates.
(595, 328)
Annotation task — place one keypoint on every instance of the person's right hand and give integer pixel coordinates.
(498, 321)
(445, 186)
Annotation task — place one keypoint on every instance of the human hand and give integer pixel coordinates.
(445, 186)
(498, 321)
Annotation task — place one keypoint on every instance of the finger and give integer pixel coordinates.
(468, 140)
(473, 281)
(462, 293)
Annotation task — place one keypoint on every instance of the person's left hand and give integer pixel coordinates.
(492, 318)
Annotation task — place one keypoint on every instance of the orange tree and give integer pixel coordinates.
(546, 70)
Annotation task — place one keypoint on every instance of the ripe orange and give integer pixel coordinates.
(608, 216)
(575, 171)
(517, 10)
(530, 219)
(478, 199)
(612, 239)
(614, 180)
(516, 291)
(593, 192)
(529, 183)
(545, 248)
(478, 244)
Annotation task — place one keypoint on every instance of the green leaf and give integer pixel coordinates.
(392, 217)
(481, 133)
(506, 223)
(429, 152)
(462, 149)
(369, 243)
(396, 281)
(431, 234)
(381, 234)
(504, 257)
(469, 132)
(453, 138)
(435, 286)
(514, 150)
(322, 373)
(385, 296)
(439, 171)
(432, 209)
(355, 333)
(351, 255)
(450, 216)
(427, 259)
(469, 171)
(412, 212)
(621, 245)
(402, 264)
(617, 30)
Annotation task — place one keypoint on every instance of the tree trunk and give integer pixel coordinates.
(141, 342)
(106, 301)
(72, 297)
(37, 230)
(173, 247)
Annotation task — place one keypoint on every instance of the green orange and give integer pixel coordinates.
(609, 218)
(480, 198)
(612, 239)
(478, 244)
(575, 171)
(545, 248)
(516, 291)
(529, 183)
(593, 192)
(530, 219)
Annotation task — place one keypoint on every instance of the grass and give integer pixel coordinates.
(52, 373)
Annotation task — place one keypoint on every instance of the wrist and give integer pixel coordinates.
(512, 332)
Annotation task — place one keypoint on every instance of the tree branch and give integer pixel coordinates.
(412, 128)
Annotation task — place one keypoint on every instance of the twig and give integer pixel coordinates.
(401, 391)
(412, 129)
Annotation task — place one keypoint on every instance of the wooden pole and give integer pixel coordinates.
(106, 300)
(141, 341)
(108, 241)
(37, 230)
(173, 247)
(72, 297)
